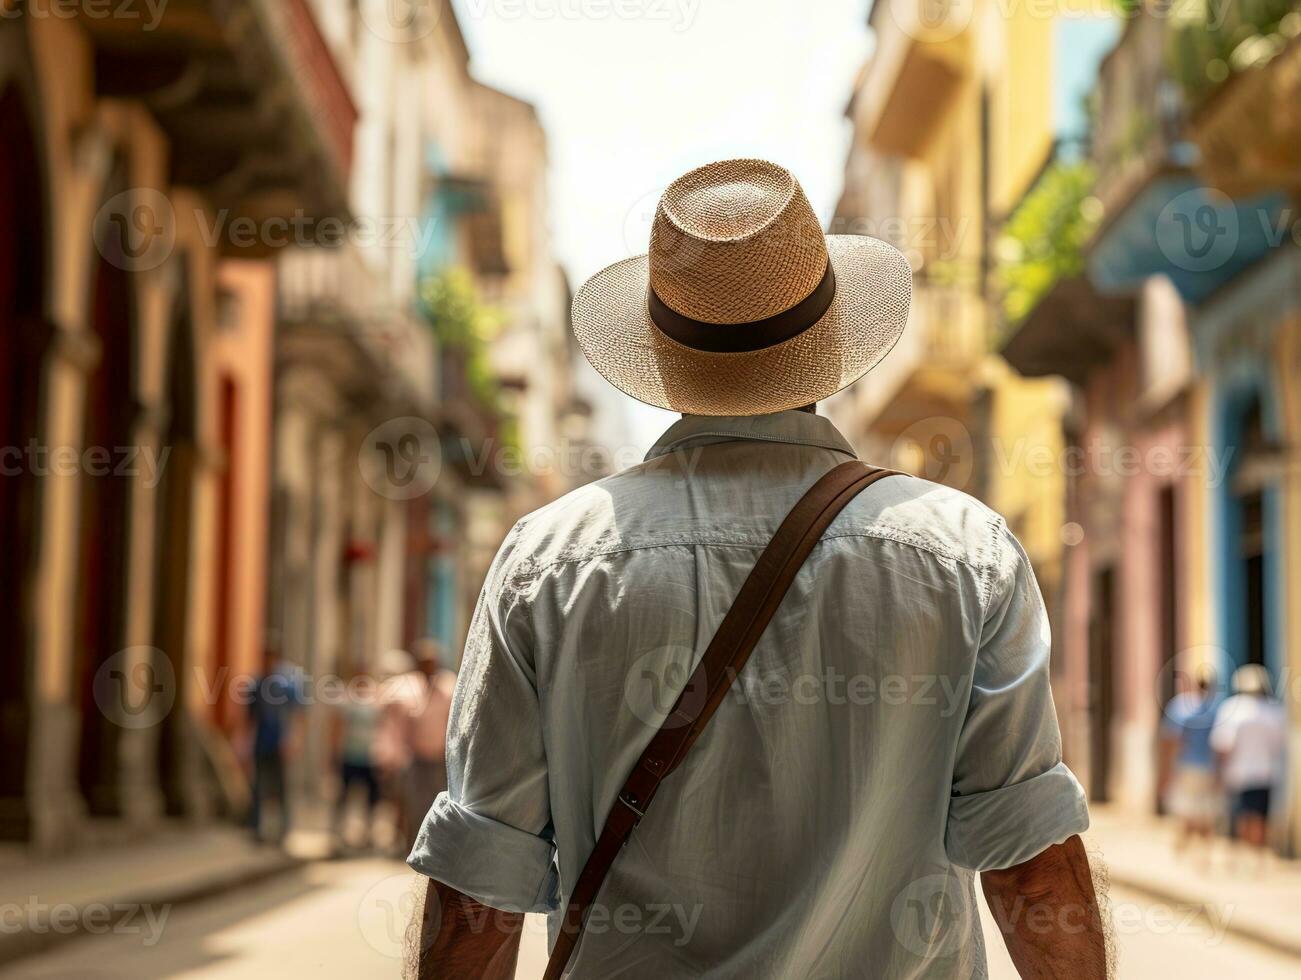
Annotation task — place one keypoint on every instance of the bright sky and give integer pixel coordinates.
(635, 92)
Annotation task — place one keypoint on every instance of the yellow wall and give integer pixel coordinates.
(1026, 481)
(1289, 369)
(1021, 109)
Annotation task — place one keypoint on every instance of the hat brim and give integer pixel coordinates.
(614, 329)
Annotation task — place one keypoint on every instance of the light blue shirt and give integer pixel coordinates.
(1189, 717)
(892, 733)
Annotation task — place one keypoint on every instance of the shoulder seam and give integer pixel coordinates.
(529, 569)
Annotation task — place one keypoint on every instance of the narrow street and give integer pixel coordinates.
(346, 919)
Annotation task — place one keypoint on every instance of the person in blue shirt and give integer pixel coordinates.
(273, 707)
(1190, 788)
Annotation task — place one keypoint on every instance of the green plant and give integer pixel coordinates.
(462, 321)
(1211, 39)
(1043, 241)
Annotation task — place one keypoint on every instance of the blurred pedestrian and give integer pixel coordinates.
(1250, 741)
(426, 773)
(401, 692)
(356, 727)
(274, 707)
(1189, 783)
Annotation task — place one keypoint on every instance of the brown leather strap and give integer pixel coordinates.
(727, 653)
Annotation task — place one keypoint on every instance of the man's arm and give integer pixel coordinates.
(1048, 913)
(453, 937)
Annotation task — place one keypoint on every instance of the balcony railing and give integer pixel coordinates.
(248, 93)
(945, 337)
(922, 50)
(330, 283)
(1249, 132)
(1140, 112)
(334, 296)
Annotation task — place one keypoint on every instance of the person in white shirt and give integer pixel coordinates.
(1250, 739)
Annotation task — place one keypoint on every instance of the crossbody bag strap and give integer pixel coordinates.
(737, 635)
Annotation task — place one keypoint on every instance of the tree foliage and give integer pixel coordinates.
(1043, 241)
(462, 321)
(1211, 39)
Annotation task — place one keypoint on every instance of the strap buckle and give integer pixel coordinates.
(628, 802)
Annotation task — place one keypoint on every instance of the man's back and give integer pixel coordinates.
(892, 731)
(1251, 730)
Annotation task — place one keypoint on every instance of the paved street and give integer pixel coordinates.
(1158, 939)
(346, 919)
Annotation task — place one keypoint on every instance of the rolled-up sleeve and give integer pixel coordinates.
(489, 835)
(1012, 795)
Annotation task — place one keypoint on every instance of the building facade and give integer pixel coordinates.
(137, 352)
(1176, 328)
(238, 420)
(951, 117)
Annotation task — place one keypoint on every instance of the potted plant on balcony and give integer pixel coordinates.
(1044, 238)
(1240, 65)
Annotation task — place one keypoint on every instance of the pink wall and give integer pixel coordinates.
(241, 352)
(1130, 459)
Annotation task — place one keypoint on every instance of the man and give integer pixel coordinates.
(1189, 784)
(1250, 742)
(892, 733)
(274, 715)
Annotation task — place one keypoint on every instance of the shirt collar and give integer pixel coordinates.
(796, 427)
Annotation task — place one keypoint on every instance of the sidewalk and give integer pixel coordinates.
(45, 901)
(1140, 855)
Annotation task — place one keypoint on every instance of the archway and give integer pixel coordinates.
(110, 410)
(23, 268)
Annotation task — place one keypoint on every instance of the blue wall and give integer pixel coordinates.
(1236, 388)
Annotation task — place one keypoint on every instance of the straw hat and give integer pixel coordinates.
(743, 305)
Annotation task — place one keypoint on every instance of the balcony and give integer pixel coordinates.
(931, 370)
(1160, 218)
(256, 111)
(470, 430)
(921, 57)
(464, 212)
(1249, 132)
(332, 313)
(1071, 331)
(1138, 131)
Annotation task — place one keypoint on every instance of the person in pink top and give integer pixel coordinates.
(426, 770)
